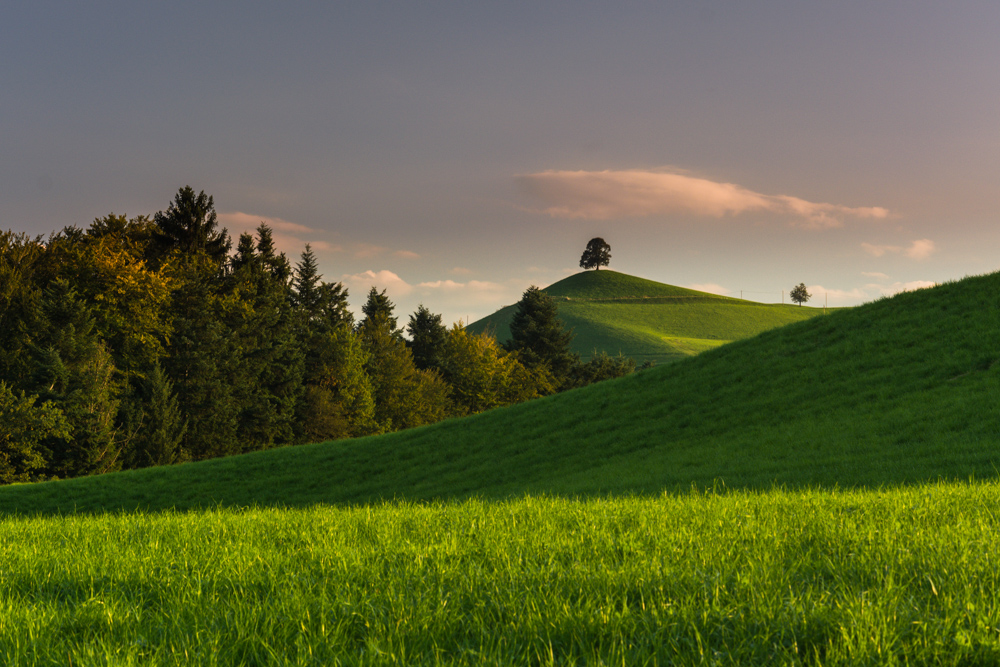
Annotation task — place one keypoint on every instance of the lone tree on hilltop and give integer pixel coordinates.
(799, 294)
(597, 254)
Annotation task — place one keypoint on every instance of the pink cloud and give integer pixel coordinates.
(604, 195)
(289, 237)
(711, 288)
(919, 249)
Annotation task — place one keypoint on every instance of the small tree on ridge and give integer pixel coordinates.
(799, 294)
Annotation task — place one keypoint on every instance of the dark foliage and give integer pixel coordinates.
(799, 294)
(428, 338)
(142, 341)
(541, 342)
(596, 255)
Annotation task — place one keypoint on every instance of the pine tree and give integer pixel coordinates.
(200, 365)
(428, 337)
(154, 415)
(404, 395)
(189, 226)
(540, 340)
(379, 304)
(267, 368)
(73, 369)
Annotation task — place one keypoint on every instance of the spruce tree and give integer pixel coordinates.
(404, 395)
(267, 367)
(189, 226)
(428, 337)
(72, 368)
(541, 342)
(154, 415)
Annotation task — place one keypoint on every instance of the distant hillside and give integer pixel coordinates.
(899, 391)
(647, 320)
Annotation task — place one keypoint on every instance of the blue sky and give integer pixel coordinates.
(455, 153)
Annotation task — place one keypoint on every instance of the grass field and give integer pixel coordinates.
(833, 522)
(903, 576)
(649, 321)
(900, 391)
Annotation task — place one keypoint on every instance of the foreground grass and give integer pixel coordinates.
(902, 576)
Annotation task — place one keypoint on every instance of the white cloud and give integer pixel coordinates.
(835, 297)
(358, 284)
(247, 222)
(289, 237)
(879, 250)
(874, 274)
(919, 249)
(711, 288)
(910, 286)
(460, 271)
(604, 195)
(367, 250)
(406, 254)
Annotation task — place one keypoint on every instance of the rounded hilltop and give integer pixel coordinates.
(608, 284)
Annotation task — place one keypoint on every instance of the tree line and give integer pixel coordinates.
(150, 341)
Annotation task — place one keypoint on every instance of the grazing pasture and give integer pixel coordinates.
(649, 321)
(823, 493)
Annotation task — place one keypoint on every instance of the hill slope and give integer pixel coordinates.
(647, 320)
(901, 390)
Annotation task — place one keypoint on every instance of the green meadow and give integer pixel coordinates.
(822, 493)
(810, 577)
(649, 321)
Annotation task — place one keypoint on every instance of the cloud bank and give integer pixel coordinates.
(631, 193)
(919, 249)
(289, 237)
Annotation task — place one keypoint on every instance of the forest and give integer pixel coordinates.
(151, 341)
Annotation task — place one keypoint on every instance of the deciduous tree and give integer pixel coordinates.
(799, 294)
(596, 255)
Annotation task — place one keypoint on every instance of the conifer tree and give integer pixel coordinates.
(189, 226)
(428, 337)
(540, 340)
(200, 365)
(379, 304)
(154, 415)
(404, 395)
(73, 369)
(268, 364)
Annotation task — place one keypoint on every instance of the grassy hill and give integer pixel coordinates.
(647, 320)
(903, 390)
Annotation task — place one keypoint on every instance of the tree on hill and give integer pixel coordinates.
(428, 337)
(540, 340)
(596, 255)
(799, 294)
(189, 226)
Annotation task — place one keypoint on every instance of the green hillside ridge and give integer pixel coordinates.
(899, 391)
(649, 321)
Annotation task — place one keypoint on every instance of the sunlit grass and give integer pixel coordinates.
(649, 321)
(808, 577)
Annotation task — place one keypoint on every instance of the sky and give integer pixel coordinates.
(454, 153)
